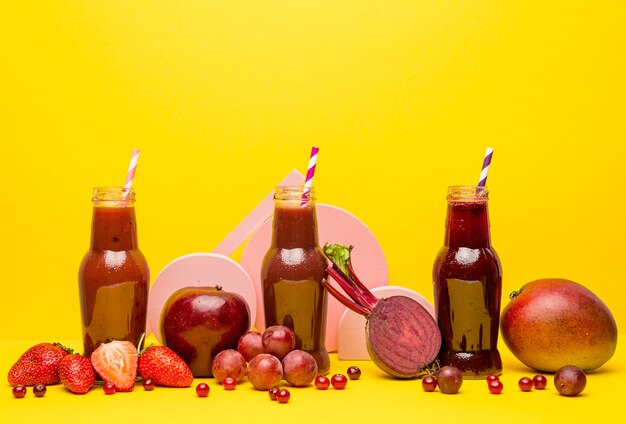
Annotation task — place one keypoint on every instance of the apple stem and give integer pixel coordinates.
(514, 294)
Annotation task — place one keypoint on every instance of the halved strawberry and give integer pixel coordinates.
(116, 363)
(164, 367)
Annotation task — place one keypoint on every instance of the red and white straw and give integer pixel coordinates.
(132, 166)
(482, 181)
(310, 173)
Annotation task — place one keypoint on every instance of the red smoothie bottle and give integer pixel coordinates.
(467, 280)
(114, 278)
(292, 272)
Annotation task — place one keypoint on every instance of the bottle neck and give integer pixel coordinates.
(113, 229)
(467, 224)
(294, 225)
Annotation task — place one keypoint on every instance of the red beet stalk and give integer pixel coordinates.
(402, 338)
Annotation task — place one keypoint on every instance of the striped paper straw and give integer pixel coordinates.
(132, 166)
(310, 172)
(485, 171)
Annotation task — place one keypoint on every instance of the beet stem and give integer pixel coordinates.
(349, 288)
(364, 290)
(348, 303)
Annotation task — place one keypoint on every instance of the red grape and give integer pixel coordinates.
(525, 384)
(283, 396)
(570, 380)
(148, 384)
(278, 340)
(250, 345)
(339, 381)
(202, 390)
(299, 368)
(273, 392)
(540, 381)
(109, 388)
(321, 382)
(228, 363)
(495, 387)
(449, 379)
(265, 371)
(354, 372)
(19, 391)
(429, 383)
(39, 390)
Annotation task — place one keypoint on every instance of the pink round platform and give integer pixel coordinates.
(335, 225)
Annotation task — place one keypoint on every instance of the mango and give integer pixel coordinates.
(554, 322)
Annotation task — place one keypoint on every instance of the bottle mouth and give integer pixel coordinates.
(113, 197)
(477, 194)
(294, 194)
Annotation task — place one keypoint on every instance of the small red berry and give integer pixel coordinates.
(495, 387)
(321, 382)
(229, 383)
(148, 384)
(39, 390)
(354, 372)
(492, 377)
(429, 383)
(540, 381)
(19, 391)
(109, 388)
(203, 390)
(339, 381)
(273, 391)
(283, 396)
(525, 384)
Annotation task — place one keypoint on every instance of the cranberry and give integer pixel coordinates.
(229, 383)
(148, 384)
(109, 388)
(273, 391)
(492, 377)
(39, 390)
(429, 383)
(495, 387)
(321, 382)
(19, 391)
(339, 381)
(354, 372)
(540, 381)
(202, 390)
(525, 384)
(283, 396)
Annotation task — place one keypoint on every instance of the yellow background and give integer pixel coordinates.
(224, 98)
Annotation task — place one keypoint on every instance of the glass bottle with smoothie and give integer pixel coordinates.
(114, 276)
(292, 272)
(467, 280)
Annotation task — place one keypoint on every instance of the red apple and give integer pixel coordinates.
(199, 322)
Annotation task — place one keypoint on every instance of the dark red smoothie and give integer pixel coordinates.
(114, 276)
(467, 280)
(292, 271)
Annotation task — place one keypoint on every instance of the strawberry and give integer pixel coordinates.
(164, 367)
(116, 363)
(38, 365)
(76, 373)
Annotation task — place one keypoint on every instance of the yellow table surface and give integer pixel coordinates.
(375, 397)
